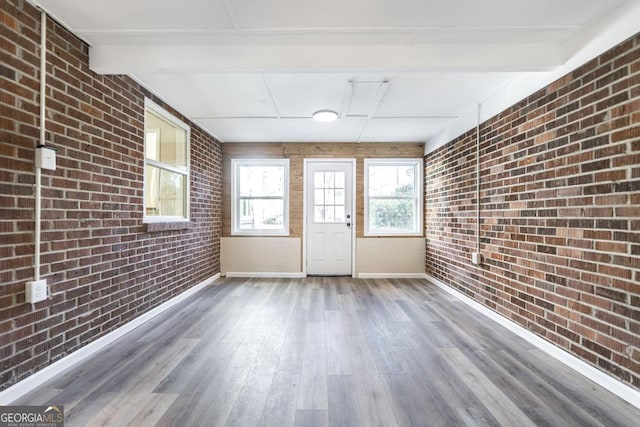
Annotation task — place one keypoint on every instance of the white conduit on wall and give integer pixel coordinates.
(42, 142)
(478, 182)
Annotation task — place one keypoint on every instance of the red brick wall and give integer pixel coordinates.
(560, 209)
(103, 265)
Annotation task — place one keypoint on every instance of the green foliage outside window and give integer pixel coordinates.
(393, 214)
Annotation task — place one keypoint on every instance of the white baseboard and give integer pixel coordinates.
(615, 386)
(23, 387)
(270, 275)
(391, 276)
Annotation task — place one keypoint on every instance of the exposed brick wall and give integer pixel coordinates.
(560, 212)
(104, 267)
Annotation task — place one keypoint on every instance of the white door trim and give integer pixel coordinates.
(353, 208)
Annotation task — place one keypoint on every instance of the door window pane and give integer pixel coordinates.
(329, 196)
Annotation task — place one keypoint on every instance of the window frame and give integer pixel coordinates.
(418, 163)
(236, 200)
(149, 105)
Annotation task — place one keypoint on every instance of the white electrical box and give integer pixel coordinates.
(476, 258)
(36, 291)
(46, 157)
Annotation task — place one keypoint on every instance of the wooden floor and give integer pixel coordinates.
(326, 351)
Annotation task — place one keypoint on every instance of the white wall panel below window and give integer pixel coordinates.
(261, 255)
(389, 255)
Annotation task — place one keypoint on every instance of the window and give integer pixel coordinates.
(166, 166)
(329, 199)
(260, 193)
(393, 197)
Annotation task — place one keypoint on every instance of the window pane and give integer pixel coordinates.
(328, 197)
(166, 148)
(164, 192)
(151, 190)
(166, 142)
(261, 181)
(262, 215)
(391, 180)
(260, 196)
(391, 215)
(151, 144)
(330, 216)
(329, 179)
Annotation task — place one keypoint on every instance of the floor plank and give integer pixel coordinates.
(313, 380)
(375, 407)
(344, 409)
(311, 418)
(326, 351)
(280, 407)
(496, 400)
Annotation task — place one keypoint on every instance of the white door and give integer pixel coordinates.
(329, 217)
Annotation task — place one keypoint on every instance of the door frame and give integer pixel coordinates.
(351, 161)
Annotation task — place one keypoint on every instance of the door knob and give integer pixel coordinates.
(348, 224)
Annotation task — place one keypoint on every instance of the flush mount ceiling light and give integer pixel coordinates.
(325, 116)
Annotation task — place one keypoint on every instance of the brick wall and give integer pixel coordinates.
(560, 212)
(104, 266)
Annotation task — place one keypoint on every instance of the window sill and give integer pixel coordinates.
(151, 227)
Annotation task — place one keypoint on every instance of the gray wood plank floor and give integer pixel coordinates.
(326, 352)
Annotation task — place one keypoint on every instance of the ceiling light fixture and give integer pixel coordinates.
(325, 116)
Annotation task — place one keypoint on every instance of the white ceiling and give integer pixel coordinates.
(395, 70)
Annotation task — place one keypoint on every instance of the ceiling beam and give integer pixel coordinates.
(143, 58)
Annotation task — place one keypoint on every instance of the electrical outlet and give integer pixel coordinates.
(476, 258)
(36, 291)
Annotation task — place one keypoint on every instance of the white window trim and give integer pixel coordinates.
(235, 200)
(418, 195)
(150, 105)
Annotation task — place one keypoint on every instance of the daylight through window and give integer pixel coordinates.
(166, 170)
(260, 196)
(393, 197)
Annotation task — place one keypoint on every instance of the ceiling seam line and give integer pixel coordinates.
(273, 101)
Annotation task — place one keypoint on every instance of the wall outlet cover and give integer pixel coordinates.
(36, 291)
(476, 258)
